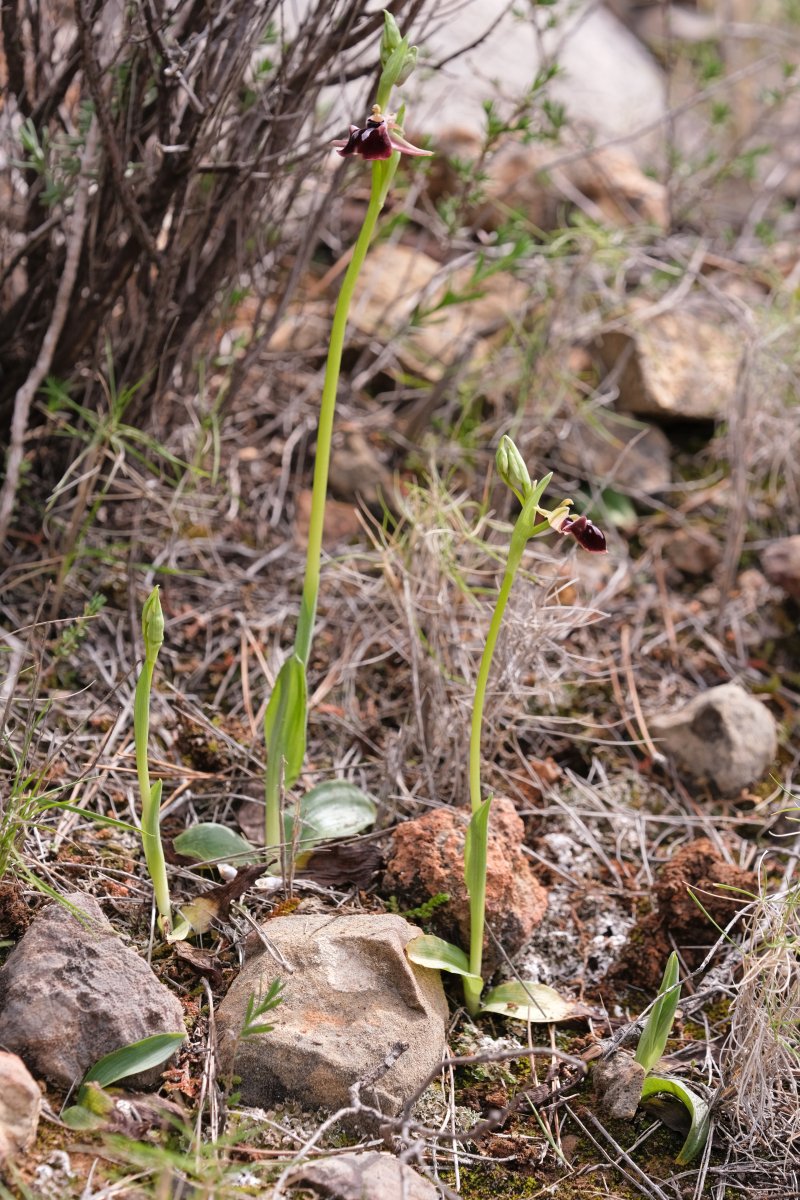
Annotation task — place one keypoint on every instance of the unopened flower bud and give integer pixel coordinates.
(511, 468)
(397, 57)
(152, 624)
(390, 39)
(586, 534)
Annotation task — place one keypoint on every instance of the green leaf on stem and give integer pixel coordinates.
(655, 1033)
(93, 1105)
(286, 717)
(429, 951)
(656, 1085)
(475, 849)
(209, 842)
(534, 1002)
(334, 809)
(133, 1058)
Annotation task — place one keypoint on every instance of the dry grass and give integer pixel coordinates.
(213, 512)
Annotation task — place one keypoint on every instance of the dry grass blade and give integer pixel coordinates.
(761, 1059)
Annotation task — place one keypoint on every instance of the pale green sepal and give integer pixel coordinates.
(535, 1002)
(429, 951)
(696, 1106)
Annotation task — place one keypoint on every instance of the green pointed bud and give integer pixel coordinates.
(152, 624)
(511, 468)
(391, 38)
(398, 59)
(409, 63)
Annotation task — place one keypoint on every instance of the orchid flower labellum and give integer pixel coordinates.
(586, 533)
(377, 139)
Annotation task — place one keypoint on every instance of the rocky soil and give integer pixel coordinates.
(631, 322)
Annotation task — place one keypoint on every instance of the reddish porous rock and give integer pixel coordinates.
(721, 889)
(427, 859)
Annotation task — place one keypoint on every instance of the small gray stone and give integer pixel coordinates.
(677, 365)
(71, 992)
(618, 1082)
(369, 1176)
(724, 735)
(780, 561)
(20, 1101)
(351, 996)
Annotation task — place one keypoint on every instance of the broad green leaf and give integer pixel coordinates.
(534, 1002)
(662, 1014)
(133, 1058)
(210, 842)
(429, 951)
(286, 716)
(334, 809)
(655, 1085)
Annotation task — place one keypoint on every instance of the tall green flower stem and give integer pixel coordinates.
(536, 1000)
(153, 632)
(286, 716)
(476, 848)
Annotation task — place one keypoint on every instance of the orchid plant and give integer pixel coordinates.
(652, 1045)
(521, 999)
(150, 793)
(334, 808)
(380, 142)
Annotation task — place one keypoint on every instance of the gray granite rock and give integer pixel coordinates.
(723, 735)
(366, 1176)
(350, 997)
(20, 1101)
(72, 992)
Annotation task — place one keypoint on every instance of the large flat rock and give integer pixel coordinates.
(72, 992)
(350, 997)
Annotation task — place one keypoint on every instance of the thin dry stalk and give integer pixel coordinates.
(761, 1058)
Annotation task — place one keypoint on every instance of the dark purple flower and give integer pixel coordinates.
(586, 533)
(377, 139)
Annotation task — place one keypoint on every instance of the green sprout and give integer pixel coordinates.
(286, 716)
(653, 1041)
(258, 1007)
(521, 999)
(651, 1046)
(153, 632)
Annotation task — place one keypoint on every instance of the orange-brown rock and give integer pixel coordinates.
(427, 859)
